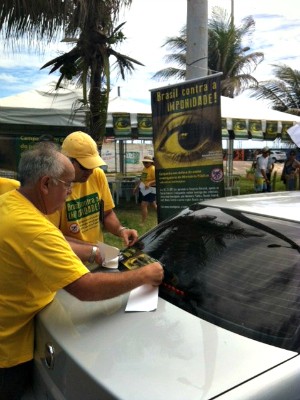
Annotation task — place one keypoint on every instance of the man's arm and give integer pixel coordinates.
(113, 225)
(103, 286)
(264, 174)
(151, 183)
(87, 252)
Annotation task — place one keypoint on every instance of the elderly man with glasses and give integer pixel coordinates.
(37, 261)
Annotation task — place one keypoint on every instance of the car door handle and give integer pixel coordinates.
(49, 355)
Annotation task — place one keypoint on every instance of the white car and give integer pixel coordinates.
(278, 156)
(227, 325)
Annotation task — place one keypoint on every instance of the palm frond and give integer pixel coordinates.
(283, 92)
(168, 73)
(226, 53)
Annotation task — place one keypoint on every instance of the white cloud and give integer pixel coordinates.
(8, 78)
(150, 22)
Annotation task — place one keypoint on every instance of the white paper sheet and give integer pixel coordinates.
(143, 298)
(294, 133)
(143, 189)
(109, 254)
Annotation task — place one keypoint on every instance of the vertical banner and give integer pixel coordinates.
(122, 124)
(239, 127)
(187, 138)
(144, 125)
(255, 129)
(284, 132)
(271, 130)
(225, 133)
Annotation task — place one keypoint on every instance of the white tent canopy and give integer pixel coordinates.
(41, 107)
(243, 108)
(47, 106)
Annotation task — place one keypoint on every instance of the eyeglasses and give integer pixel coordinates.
(68, 185)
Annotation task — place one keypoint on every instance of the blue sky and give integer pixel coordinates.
(149, 22)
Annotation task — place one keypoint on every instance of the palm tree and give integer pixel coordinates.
(226, 53)
(178, 45)
(283, 92)
(90, 26)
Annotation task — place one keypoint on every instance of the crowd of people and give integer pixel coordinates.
(51, 222)
(263, 165)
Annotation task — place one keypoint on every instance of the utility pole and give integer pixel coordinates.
(197, 39)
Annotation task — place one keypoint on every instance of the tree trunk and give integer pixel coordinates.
(98, 105)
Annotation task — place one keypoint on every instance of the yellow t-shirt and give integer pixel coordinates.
(148, 174)
(80, 217)
(7, 184)
(36, 261)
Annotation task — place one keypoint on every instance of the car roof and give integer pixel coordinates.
(283, 205)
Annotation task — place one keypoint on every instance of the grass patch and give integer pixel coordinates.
(247, 186)
(129, 214)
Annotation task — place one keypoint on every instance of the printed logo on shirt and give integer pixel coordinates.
(74, 228)
(82, 207)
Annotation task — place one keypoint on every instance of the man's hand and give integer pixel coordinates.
(154, 273)
(102, 286)
(129, 236)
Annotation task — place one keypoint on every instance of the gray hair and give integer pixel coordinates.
(42, 160)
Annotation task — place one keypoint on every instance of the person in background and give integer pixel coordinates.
(147, 187)
(37, 261)
(7, 184)
(90, 204)
(256, 154)
(290, 171)
(261, 180)
(270, 168)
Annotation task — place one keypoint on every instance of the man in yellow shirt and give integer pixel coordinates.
(7, 184)
(90, 204)
(37, 261)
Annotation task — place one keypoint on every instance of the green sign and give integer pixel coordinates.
(187, 134)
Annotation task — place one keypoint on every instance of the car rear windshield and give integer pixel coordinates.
(236, 270)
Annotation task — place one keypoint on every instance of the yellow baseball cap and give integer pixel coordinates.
(83, 148)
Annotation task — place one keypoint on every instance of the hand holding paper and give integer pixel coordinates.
(109, 254)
